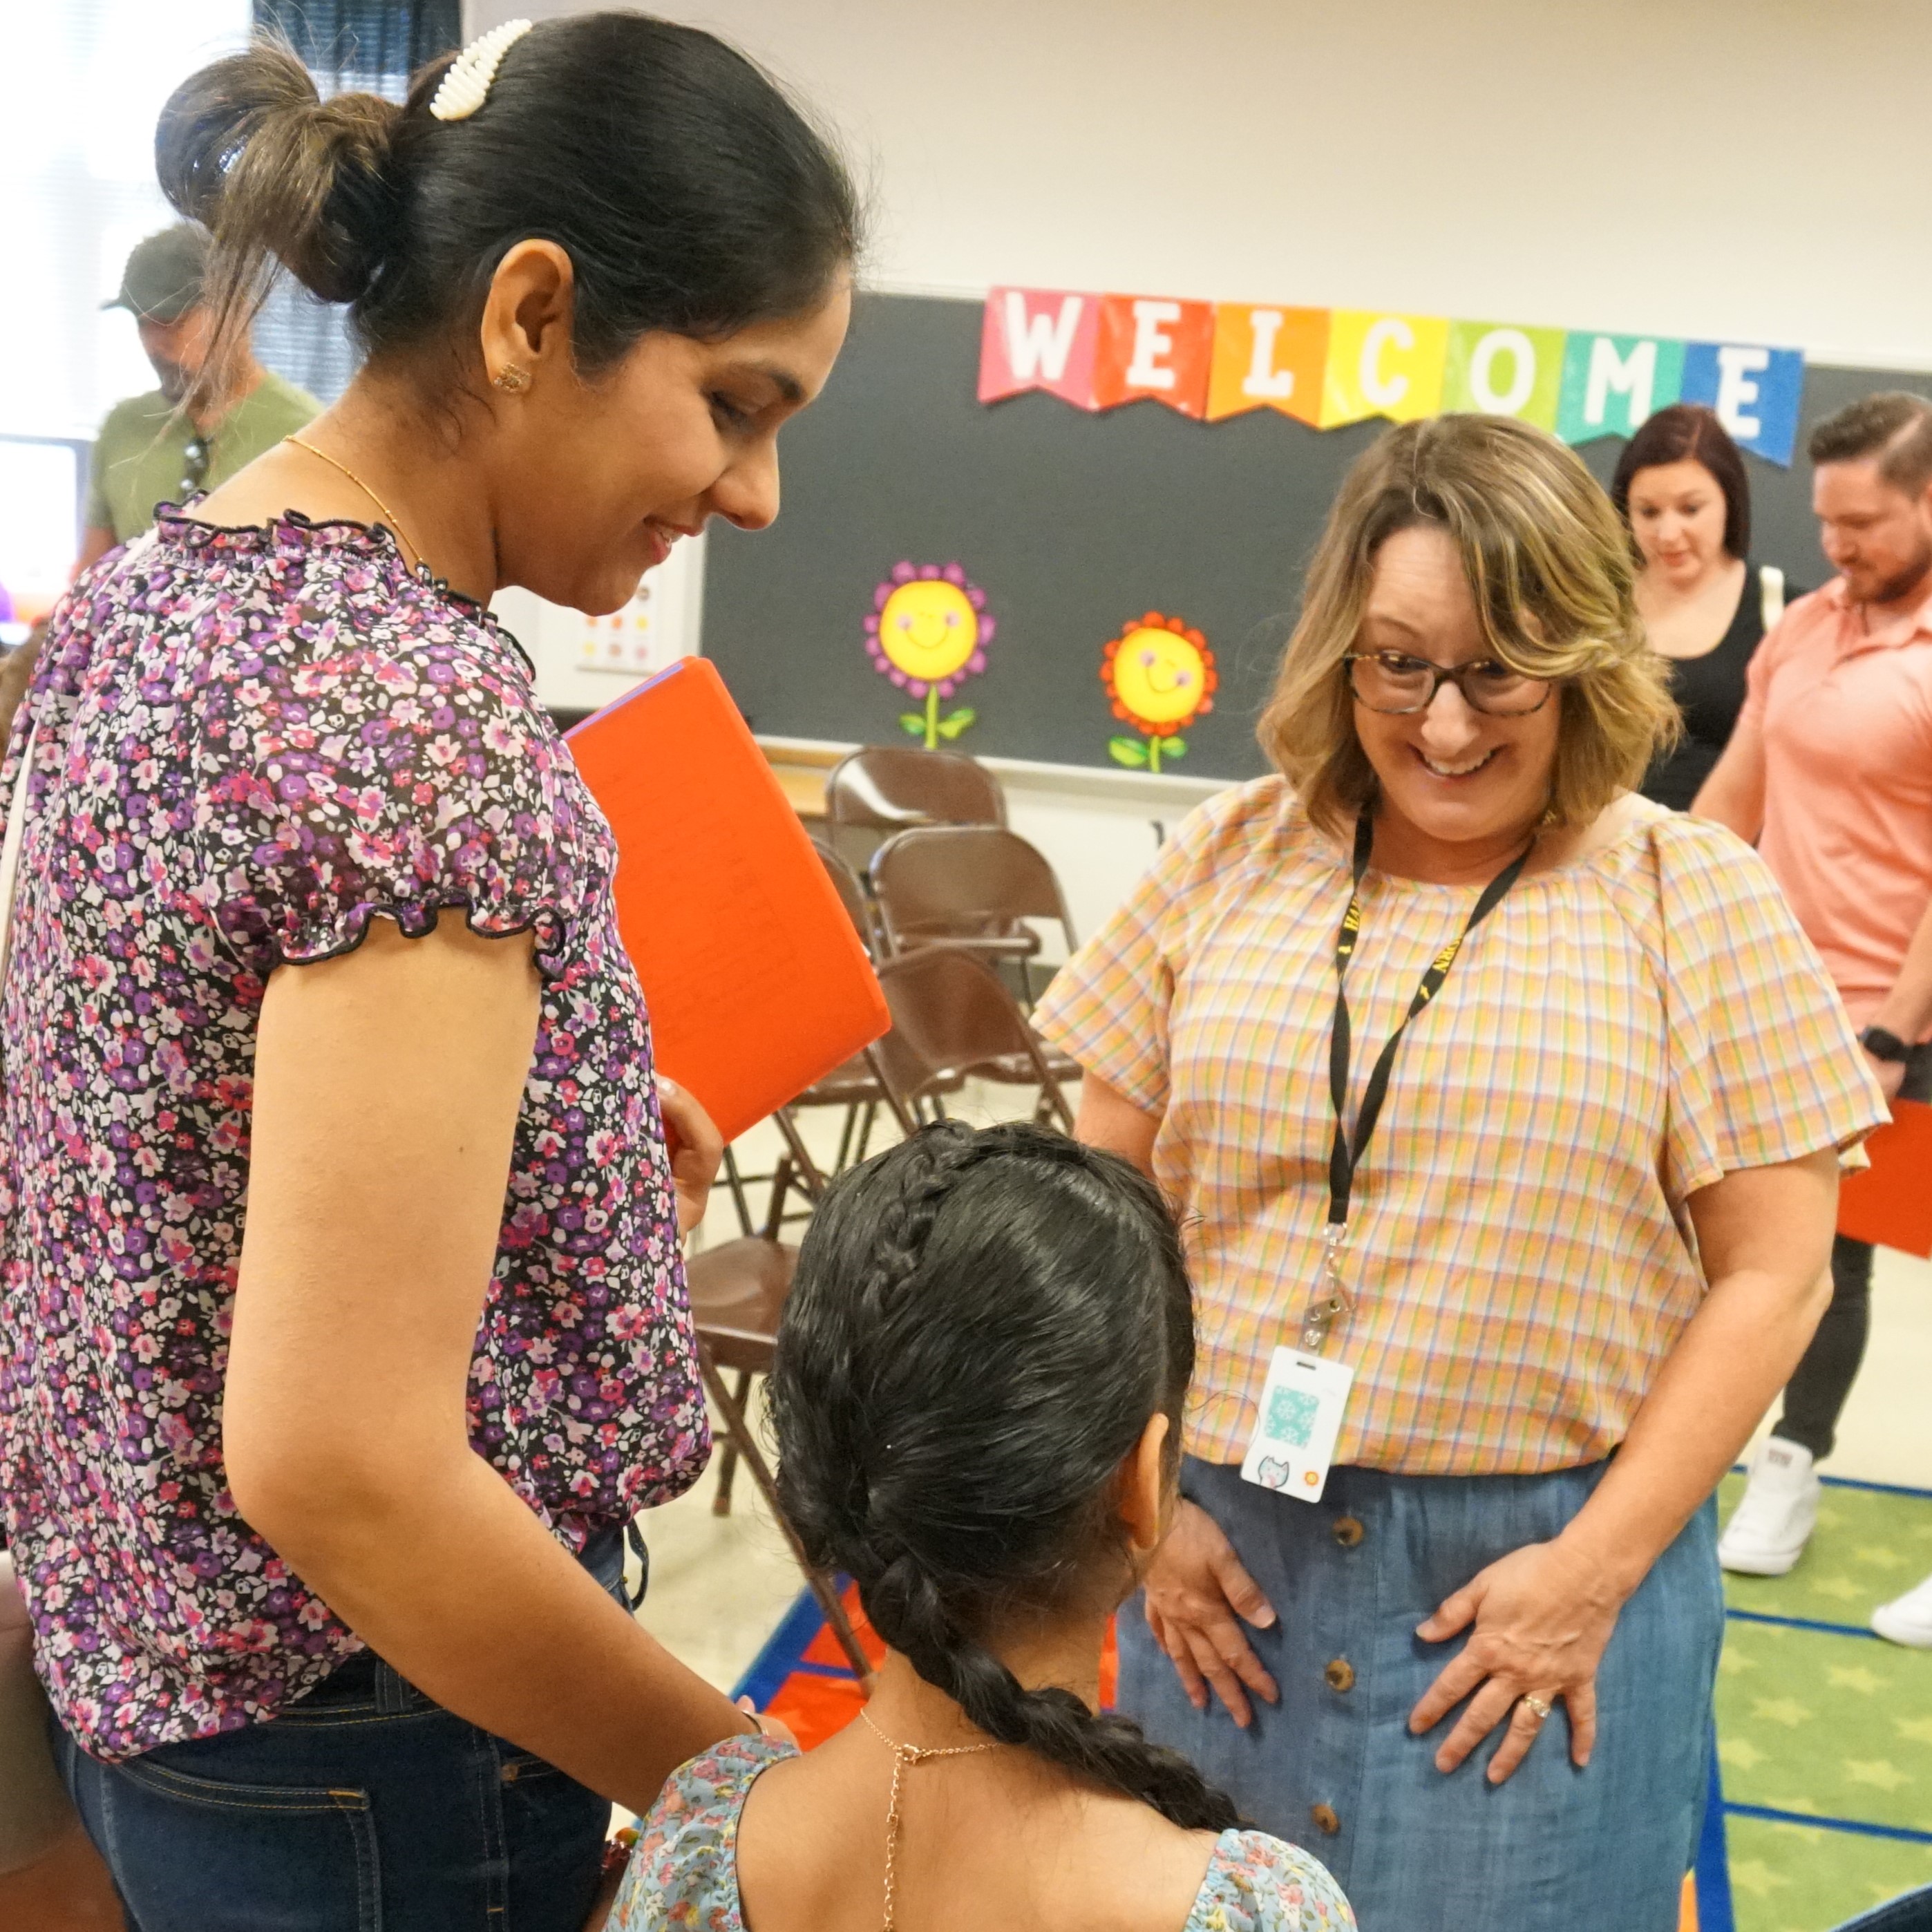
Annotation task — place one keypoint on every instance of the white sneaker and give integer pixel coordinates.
(1771, 1525)
(1907, 1619)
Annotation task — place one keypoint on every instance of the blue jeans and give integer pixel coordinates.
(364, 1806)
(1333, 1767)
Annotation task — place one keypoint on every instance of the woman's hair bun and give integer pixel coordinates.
(690, 193)
(248, 148)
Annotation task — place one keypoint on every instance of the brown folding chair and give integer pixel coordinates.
(975, 886)
(954, 1017)
(738, 1292)
(851, 1086)
(881, 789)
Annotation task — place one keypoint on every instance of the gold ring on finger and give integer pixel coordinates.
(1538, 1707)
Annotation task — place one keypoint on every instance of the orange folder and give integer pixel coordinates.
(1890, 1202)
(756, 982)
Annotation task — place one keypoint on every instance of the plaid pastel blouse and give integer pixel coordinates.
(1622, 1031)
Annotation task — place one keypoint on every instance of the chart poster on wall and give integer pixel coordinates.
(928, 630)
(1210, 360)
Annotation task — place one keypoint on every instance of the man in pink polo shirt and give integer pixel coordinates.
(1830, 772)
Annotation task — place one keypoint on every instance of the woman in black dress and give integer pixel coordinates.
(1680, 486)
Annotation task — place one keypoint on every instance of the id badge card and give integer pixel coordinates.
(1300, 1416)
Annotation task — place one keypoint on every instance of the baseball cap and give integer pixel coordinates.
(162, 280)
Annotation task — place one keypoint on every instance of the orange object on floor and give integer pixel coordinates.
(820, 1697)
(756, 982)
(1890, 1203)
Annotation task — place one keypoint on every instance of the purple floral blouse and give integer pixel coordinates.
(249, 743)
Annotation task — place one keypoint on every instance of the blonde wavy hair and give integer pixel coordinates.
(1549, 563)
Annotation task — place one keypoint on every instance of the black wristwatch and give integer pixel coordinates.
(1883, 1046)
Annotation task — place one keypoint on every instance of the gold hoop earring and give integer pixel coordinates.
(511, 378)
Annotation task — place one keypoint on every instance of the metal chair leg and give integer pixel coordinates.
(735, 1181)
(738, 1428)
(728, 1457)
(806, 1177)
(784, 1179)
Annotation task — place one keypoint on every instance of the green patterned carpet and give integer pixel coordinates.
(1825, 1723)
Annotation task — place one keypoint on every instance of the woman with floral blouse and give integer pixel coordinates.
(344, 1321)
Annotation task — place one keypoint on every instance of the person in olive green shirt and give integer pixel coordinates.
(151, 450)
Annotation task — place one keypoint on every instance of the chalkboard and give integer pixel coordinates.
(1073, 525)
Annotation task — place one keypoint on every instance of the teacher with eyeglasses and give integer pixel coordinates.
(1507, 1109)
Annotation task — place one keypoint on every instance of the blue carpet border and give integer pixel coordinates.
(1712, 1869)
(1854, 1482)
(1801, 1623)
(784, 1651)
(1857, 1827)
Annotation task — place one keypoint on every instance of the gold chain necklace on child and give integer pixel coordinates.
(902, 1756)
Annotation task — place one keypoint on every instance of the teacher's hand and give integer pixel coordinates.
(696, 1149)
(1542, 1615)
(1197, 1594)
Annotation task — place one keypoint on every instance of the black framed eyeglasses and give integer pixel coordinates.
(1387, 681)
(194, 463)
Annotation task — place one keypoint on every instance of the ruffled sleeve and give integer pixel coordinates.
(1256, 1883)
(392, 779)
(1764, 1067)
(684, 1868)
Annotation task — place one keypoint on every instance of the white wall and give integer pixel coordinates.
(1749, 170)
(1746, 170)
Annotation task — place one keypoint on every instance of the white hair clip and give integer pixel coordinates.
(466, 85)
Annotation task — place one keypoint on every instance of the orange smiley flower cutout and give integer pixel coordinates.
(1160, 675)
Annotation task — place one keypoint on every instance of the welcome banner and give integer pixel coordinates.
(1327, 367)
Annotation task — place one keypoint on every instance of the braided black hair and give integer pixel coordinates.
(982, 1324)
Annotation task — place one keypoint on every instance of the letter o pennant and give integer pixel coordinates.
(1504, 369)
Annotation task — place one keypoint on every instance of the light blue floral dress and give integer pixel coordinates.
(683, 1874)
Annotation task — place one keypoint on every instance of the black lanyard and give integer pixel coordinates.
(1343, 1159)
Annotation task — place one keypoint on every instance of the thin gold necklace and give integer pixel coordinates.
(335, 462)
(902, 1756)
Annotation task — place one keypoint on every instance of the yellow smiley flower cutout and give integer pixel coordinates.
(928, 630)
(1160, 675)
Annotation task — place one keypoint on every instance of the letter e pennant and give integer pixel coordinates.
(1154, 346)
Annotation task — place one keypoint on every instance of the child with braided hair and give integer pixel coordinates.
(978, 1388)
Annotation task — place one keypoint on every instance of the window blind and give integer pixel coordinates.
(86, 80)
(366, 47)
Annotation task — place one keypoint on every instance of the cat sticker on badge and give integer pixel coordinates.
(1297, 1421)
